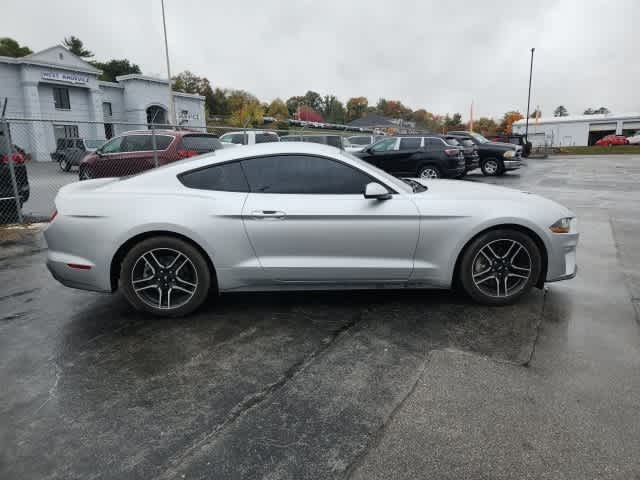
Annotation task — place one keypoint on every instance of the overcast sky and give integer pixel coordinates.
(435, 55)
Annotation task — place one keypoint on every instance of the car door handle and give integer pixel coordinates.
(268, 215)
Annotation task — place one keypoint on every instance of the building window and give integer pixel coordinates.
(65, 131)
(108, 130)
(106, 109)
(61, 98)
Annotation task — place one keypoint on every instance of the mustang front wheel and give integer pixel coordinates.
(500, 266)
(165, 276)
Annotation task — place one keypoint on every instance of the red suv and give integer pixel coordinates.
(133, 152)
(612, 140)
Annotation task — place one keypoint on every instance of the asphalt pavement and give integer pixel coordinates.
(381, 384)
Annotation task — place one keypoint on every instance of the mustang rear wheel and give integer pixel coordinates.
(500, 266)
(165, 276)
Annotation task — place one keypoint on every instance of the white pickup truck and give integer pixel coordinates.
(249, 137)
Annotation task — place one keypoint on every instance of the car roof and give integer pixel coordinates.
(249, 131)
(165, 132)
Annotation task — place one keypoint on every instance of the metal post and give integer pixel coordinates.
(12, 172)
(155, 149)
(172, 108)
(526, 128)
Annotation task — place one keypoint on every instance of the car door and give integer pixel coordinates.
(395, 161)
(378, 154)
(106, 164)
(308, 221)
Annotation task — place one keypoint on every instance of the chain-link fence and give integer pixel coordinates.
(38, 157)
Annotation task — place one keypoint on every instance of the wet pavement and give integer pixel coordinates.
(383, 384)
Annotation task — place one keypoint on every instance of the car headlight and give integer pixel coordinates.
(564, 225)
(509, 154)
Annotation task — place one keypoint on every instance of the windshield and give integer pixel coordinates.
(479, 138)
(94, 143)
(392, 181)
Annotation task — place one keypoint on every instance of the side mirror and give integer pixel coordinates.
(377, 191)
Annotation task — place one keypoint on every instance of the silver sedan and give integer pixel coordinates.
(293, 216)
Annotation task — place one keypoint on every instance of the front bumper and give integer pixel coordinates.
(562, 257)
(512, 164)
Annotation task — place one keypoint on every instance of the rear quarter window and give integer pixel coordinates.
(200, 143)
(227, 177)
(266, 137)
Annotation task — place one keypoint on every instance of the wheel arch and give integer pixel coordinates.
(512, 226)
(118, 257)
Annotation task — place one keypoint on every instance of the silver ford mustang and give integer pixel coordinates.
(285, 216)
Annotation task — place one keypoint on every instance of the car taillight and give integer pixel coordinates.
(53, 215)
(451, 152)
(187, 153)
(16, 157)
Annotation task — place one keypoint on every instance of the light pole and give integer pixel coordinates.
(526, 128)
(172, 108)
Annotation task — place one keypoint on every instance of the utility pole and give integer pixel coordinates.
(172, 107)
(526, 128)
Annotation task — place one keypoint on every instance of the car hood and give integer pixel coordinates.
(499, 145)
(465, 190)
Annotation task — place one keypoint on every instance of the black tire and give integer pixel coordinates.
(491, 167)
(429, 171)
(479, 276)
(85, 173)
(64, 163)
(147, 296)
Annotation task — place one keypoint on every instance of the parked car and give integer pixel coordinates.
(364, 140)
(132, 152)
(333, 140)
(495, 158)
(297, 215)
(634, 139)
(250, 137)
(514, 138)
(611, 140)
(8, 206)
(428, 156)
(469, 151)
(70, 151)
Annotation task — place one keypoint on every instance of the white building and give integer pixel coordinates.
(577, 130)
(60, 91)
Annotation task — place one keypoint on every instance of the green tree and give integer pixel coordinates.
(75, 46)
(10, 48)
(486, 126)
(293, 103)
(218, 102)
(314, 100)
(333, 109)
(278, 110)
(187, 82)
(356, 107)
(114, 68)
(560, 111)
(248, 115)
(452, 122)
(591, 111)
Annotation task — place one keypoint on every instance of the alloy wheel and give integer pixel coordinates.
(164, 278)
(429, 172)
(491, 167)
(501, 268)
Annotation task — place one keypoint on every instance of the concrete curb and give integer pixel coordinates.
(18, 240)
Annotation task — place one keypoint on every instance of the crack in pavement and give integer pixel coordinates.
(377, 436)
(538, 330)
(253, 400)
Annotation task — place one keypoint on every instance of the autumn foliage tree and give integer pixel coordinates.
(356, 107)
(506, 125)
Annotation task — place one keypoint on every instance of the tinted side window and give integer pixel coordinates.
(200, 143)
(266, 137)
(411, 143)
(303, 174)
(227, 178)
(360, 140)
(137, 143)
(162, 142)
(453, 141)
(433, 143)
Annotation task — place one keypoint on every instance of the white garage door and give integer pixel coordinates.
(602, 127)
(631, 125)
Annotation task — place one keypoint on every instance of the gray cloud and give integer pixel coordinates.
(437, 56)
